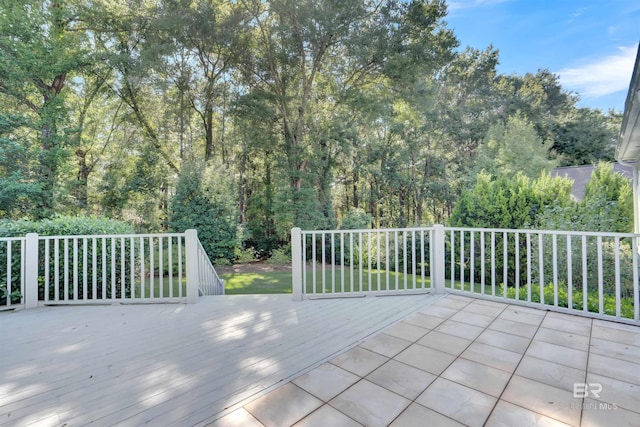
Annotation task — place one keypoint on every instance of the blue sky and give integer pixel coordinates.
(590, 44)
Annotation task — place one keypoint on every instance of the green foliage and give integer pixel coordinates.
(203, 202)
(64, 226)
(313, 107)
(245, 256)
(504, 202)
(356, 219)
(514, 148)
(280, 256)
(585, 136)
(593, 305)
(607, 206)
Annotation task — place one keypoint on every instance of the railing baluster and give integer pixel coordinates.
(47, 278)
(369, 263)
(395, 242)
(313, 261)
(462, 259)
(493, 263)
(152, 269)
(517, 263)
(413, 256)
(386, 260)
(636, 295)
(422, 259)
(617, 270)
(94, 268)
(9, 289)
(529, 280)
(452, 265)
(104, 268)
(75, 269)
(304, 262)
(600, 278)
(161, 268)
(324, 278)
(554, 249)
(569, 273)
(505, 263)
(66, 269)
(472, 261)
(132, 268)
(351, 276)
(123, 279)
(541, 265)
(333, 263)
(342, 262)
(85, 269)
(142, 269)
(405, 259)
(180, 261)
(56, 269)
(114, 257)
(378, 259)
(585, 304)
(483, 261)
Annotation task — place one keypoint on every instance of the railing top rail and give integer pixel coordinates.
(550, 232)
(12, 239)
(117, 236)
(366, 230)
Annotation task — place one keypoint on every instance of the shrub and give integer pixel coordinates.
(203, 201)
(609, 300)
(280, 256)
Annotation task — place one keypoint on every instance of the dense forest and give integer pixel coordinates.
(246, 118)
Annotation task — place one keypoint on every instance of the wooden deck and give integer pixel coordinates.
(173, 364)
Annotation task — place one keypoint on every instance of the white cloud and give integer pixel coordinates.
(603, 76)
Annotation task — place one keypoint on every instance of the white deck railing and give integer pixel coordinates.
(359, 262)
(587, 273)
(11, 271)
(104, 269)
(210, 282)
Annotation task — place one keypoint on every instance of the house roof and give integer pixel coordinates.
(628, 149)
(581, 175)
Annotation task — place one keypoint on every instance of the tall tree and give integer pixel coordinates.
(40, 50)
(303, 45)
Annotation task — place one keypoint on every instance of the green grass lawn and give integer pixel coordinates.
(280, 282)
(257, 283)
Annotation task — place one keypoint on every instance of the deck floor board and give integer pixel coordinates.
(135, 364)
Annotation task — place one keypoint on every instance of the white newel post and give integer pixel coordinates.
(191, 256)
(31, 271)
(296, 263)
(439, 255)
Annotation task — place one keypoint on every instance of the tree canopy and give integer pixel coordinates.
(315, 114)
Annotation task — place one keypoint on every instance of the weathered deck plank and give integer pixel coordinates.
(172, 363)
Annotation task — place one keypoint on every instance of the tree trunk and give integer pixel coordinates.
(82, 178)
(356, 201)
(208, 128)
(48, 170)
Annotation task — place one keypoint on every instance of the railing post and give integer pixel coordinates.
(31, 271)
(439, 254)
(296, 263)
(192, 261)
